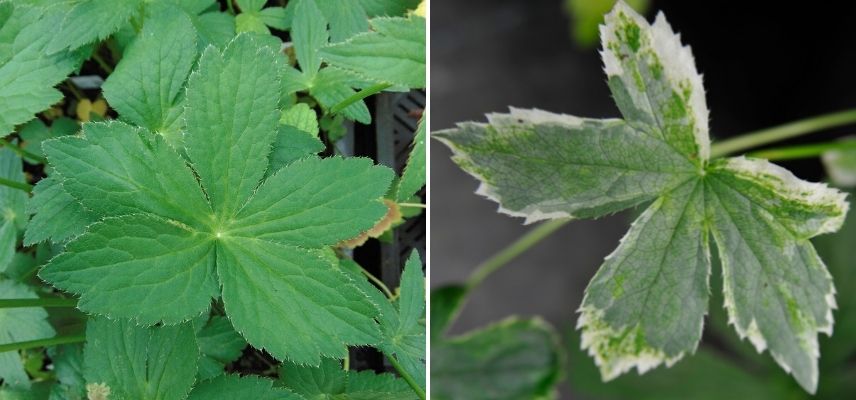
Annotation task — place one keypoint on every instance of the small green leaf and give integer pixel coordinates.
(133, 362)
(274, 17)
(67, 363)
(332, 86)
(513, 359)
(413, 177)
(330, 381)
(296, 138)
(219, 345)
(309, 33)
(346, 17)
(229, 387)
(388, 8)
(19, 325)
(394, 52)
(146, 84)
(250, 23)
(251, 6)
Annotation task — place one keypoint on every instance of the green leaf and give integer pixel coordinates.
(35, 132)
(56, 214)
(332, 86)
(317, 305)
(134, 362)
(181, 284)
(446, 303)
(330, 381)
(230, 102)
(250, 23)
(214, 28)
(90, 20)
(115, 169)
(346, 17)
(258, 245)
(646, 304)
(296, 138)
(513, 359)
(219, 345)
(228, 387)
(249, 6)
(28, 75)
(13, 216)
(274, 17)
(308, 195)
(413, 177)
(67, 363)
(147, 81)
(19, 325)
(394, 52)
(309, 33)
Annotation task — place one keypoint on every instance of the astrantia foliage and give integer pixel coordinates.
(172, 242)
(194, 228)
(646, 305)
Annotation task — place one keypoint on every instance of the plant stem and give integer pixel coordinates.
(346, 365)
(31, 344)
(413, 205)
(21, 152)
(103, 64)
(230, 7)
(16, 185)
(782, 132)
(362, 94)
(378, 282)
(406, 376)
(515, 249)
(43, 302)
(73, 90)
(803, 151)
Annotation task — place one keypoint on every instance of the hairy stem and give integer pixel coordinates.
(32, 344)
(511, 252)
(16, 185)
(406, 376)
(782, 132)
(803, 151)
(43, 302)
(413, 205)
(362, 94)
(21, 152)
(377, 282)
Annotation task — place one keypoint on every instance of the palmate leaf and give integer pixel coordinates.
(173, 245)
(646, 304)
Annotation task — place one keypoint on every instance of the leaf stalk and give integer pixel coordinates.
(406, 376)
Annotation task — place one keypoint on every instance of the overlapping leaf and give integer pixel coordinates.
(172, 242)
(124, 361)
(393, 52)
(28, 72)
(646, 304)
(19, 325)
(330, 381)
(513, 359)
(230, 387)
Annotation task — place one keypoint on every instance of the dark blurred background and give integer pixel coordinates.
(764, 63)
